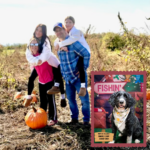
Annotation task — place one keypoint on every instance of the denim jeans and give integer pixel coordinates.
(71, 89)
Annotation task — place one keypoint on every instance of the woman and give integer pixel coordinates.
(45, 53)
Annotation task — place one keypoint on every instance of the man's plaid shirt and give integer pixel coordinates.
(68, 61)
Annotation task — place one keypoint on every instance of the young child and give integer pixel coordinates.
(45, 55)
(74, 35)
(46, 77)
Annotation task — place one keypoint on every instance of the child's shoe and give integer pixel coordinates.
(86, 124)
(73, 122)
(63, 103)
(52, 122)
(82, 91)
(28, 101)
(53, 90)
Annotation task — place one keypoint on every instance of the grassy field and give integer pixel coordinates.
(109, 51)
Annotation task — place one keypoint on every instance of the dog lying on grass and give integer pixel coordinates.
(123, 118)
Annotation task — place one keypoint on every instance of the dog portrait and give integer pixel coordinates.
(118, 109)
(123, 118)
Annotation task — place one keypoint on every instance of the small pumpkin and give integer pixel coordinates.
(18, 95)
(34, 92)
(148, 95)
(36, 118)
(34, 98)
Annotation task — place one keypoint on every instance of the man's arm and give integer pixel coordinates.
(82, 51)
(72, 38)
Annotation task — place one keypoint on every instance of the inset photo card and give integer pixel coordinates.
(118, 114)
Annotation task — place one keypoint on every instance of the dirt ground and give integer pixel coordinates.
(16, 135)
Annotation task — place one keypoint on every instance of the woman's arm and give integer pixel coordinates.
(45, 55)
(30, 58)
(47, 44)
(46, 52)
(75, 36)
(53, 61)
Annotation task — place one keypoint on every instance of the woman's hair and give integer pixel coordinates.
(70, 18)
(32, 39)
(44, 36)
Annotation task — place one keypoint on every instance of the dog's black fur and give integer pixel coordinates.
(132, 124)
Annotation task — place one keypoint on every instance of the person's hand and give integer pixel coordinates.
(64, 49)
(57, 47)
(39, 62)
(78, 74)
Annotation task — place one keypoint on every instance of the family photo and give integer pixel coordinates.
(74, 75)
(74, 61)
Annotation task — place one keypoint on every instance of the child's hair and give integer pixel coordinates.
(44, 36)
(32, 39)
(70, 18)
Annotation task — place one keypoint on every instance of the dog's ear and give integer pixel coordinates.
(131, 101)
(112, 99)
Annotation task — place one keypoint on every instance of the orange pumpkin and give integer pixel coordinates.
(36, 118)
(148, 95)
(34, 92)
(18, 95)
(34, 98)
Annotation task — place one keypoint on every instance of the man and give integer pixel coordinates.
(69, 70)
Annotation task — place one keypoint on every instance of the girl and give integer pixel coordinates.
(45, 73)
(74, 35)
(45, 54)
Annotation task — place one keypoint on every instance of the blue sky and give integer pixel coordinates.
(20, 17)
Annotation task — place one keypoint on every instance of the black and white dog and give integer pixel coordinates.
(130, 127)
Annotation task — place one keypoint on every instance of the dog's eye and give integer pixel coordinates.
(125, 95)
(118, 95)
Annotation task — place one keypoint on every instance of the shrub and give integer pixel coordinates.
(113, 41)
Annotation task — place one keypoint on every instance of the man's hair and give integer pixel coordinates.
(70, 18)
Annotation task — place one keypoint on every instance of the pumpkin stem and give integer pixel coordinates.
(33, 108)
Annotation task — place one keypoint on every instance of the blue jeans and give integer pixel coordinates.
(71, 89)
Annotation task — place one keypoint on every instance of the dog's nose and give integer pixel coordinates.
(121, 102)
